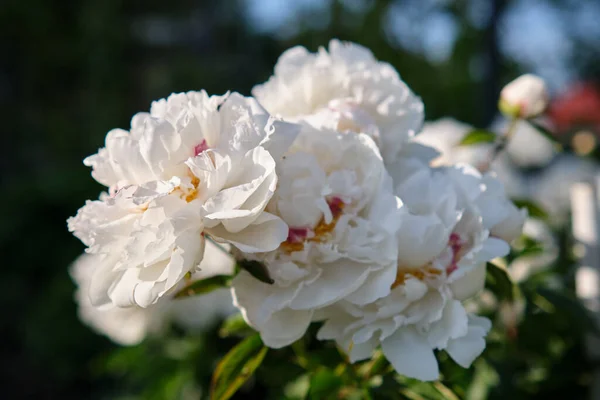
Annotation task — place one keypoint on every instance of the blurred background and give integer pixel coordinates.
(71, 71)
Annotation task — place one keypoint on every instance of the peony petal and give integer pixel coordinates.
(464, 350)
(410, 355)
(265, 234)
(337, 281)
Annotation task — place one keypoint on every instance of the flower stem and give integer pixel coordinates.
(500, 145)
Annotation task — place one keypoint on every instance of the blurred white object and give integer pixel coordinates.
(522, 267)
(129, 326)
(527, 147)
(525, 97)
(445, 136)
(584, 202)
(551, 188)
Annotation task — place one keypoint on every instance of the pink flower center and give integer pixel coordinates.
(199, 148)
(456, 243)
(298, 235)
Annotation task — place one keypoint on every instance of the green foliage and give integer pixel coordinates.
(478, 136)
(203, 286)
(499, 282)
(237, 367)
(235, 326)
(324, 384)
(533, 209)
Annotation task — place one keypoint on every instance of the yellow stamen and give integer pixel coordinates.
(321, 233)
(419, 273)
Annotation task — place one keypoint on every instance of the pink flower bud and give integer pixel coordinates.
(525, 97)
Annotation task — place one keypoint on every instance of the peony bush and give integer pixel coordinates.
(313, 210)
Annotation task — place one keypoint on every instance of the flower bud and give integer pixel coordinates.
(525, 97)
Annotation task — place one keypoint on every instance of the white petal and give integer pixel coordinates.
(469, 284)
(466, 349)
(337, 281)
(265, 234)
(410, 355)
(377, 285)
(285, 327)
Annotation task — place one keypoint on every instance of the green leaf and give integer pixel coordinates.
(414, 389)
(235, 326)
(324, 384)
(257, 270)
(203, 286)
(482, 383)
(572, 307)
(236, 367)
(534, 209)
(499, 282)
(298, 388)
(478, 136)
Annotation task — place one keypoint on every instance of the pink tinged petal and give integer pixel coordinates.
(201, 147)
(466, 349)
(469, 284)
(411, 355)
(336, 282)
(266, 233)
(378, 285)
(297, 235)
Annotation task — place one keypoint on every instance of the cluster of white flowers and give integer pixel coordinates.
(318, 179)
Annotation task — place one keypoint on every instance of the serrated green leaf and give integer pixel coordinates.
(478, 136)
(236, 367)
(257, 270)
(534, 209)
(203, 286)
(324, 384)
(235, 326)
(499, 282)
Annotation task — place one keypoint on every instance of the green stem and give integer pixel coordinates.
(213, 241)
(500, 145)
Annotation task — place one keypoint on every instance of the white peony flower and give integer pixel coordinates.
(445, 136)
(125, 326)
(443, 246)
(195, 165)
(336, 197)
(525, 97)
(129, 326)
(346, 89)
